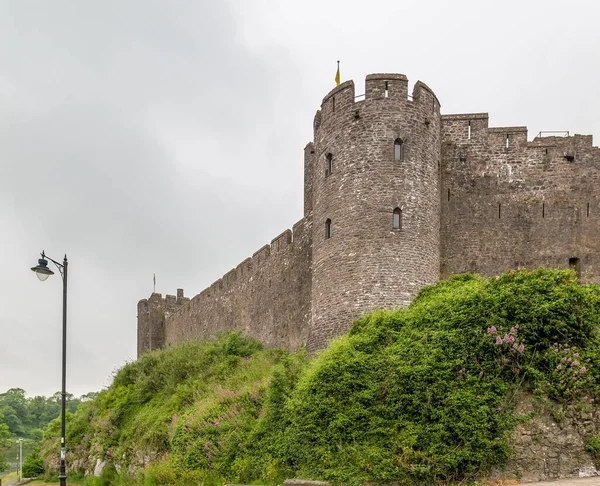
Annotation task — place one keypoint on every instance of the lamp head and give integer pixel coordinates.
(41, 270)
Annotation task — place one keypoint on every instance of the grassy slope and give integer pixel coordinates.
(419, 395)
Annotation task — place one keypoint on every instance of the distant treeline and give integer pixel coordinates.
(28, 417)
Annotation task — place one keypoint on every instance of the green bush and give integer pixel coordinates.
(592, 445)
(33, 465)
(425, 394)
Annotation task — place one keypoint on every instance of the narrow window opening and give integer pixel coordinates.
(575, 265)
(333, 103)
(386, 89)
(546, 151)
(327, 229)
(499, 210)
(588, 210)
(469, 131)
(397, 218)
(328, 164)
(398, 150)
(448, 194)
(507, 141)
(543, 210)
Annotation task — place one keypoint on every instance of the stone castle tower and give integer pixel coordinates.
(397, 196)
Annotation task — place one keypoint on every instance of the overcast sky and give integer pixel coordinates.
(146, 136)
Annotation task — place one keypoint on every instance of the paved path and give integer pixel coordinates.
(593, 481)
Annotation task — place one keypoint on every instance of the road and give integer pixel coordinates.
(594, 481)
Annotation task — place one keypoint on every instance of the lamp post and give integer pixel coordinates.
(43, 272)
(20, 442)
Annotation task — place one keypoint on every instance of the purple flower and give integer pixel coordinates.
(515, 346)
(559, 367)
(521, 348)
(498, 340)
(492, 330)
(563, 359)
(576, 355)
(582, 370)
(575, 363)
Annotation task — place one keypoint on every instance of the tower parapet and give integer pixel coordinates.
(151, 319)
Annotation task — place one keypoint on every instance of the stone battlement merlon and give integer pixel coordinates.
(517, 129)
(281, 241)
(465, 116)
(554, 141)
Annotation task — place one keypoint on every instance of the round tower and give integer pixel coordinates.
(375, 201)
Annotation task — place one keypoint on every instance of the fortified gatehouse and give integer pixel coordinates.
(396, 197)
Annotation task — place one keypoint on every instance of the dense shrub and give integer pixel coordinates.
(421, 395)
(427, 393)
(33, 465)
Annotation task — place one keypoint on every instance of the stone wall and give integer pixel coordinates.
(266, 297)
(507, 202)
(551, 444)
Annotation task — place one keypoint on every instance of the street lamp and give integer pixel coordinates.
(43, 272)
(20, 442)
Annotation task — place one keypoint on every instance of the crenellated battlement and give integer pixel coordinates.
(282, 246)
(389, 88)
(467, 132)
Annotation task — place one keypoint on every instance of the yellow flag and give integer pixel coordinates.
(337, 75)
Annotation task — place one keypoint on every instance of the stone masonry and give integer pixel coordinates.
(397, 196)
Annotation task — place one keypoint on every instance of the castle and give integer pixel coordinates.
(396, 197)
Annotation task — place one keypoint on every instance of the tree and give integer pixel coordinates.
(13, 405)
(4, 435)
